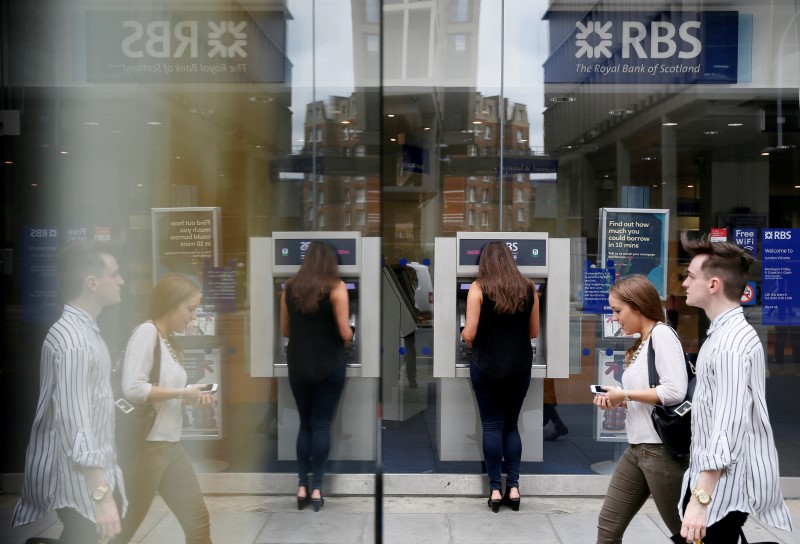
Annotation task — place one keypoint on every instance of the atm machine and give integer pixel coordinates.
(539, 257)
(273, 261)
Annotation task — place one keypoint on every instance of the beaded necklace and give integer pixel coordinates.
(641, 344)
(172, 351)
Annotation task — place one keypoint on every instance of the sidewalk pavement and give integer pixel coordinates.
(249, 519)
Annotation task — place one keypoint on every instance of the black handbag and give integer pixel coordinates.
(133, 422)
(673, 423)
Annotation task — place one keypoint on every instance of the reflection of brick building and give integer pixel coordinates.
(471, 191)
(346, 195)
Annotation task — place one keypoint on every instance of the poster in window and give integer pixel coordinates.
(636, 239)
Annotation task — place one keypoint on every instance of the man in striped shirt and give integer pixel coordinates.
(70, 465)
(733, 468)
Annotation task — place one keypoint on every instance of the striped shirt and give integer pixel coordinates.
(74, 423)
(730, 425)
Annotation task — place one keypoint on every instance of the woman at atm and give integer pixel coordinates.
(502, 317)
(314, 316)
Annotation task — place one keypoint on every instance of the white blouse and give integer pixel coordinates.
(136, 381)
(671, 368)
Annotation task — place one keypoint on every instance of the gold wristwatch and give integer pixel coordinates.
(100, 493)
(702, 496)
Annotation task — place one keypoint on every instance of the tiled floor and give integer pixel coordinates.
(351, 520)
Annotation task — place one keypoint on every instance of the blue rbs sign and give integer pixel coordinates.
(665, 47)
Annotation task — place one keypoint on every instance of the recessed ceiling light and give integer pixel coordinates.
(154, 123)
(345, 122)
(655, 186)
(8, 162)
(523, 141)
(735, 124)
(648, 158)
(765, 153)
(427, 128)
(669, 124)
(711, 132)
(64, 152)
(797, 186)
(202, 111)
(562, 99)
(34, 184)
(140, 184)
(476, 122)
(91, 123)
(620, 111)
(690, 186)
(260, 98)
(390, 115)
(392, 139)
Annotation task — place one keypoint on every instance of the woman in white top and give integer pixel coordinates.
(646, 467)
(162, 464)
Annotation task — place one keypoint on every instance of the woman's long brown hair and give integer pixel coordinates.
(642, 296)
(318, 274)
(501, 280)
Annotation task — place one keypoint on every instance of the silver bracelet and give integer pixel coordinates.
(180, 393)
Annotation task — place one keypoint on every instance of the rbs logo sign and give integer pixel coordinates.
(661, 40)
(777, 235)
(167, 39)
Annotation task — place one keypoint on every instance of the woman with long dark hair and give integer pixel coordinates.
(315, 314)
(502, 317)
(161, 464)
(646, 466)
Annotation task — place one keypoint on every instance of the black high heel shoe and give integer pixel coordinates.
(317, 503)
(494, 504)
(302, 502)
(512, 503)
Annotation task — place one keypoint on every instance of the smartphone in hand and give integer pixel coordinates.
(597, 389)
(209, 387)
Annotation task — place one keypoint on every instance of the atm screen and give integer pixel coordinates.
(292, 251)
(526, 252)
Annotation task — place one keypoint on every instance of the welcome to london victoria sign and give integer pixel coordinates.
(666, 47)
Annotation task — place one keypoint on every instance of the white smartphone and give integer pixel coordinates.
(209, 387)
(597, 389)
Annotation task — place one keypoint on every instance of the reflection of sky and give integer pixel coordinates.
(525, 51)
(334, 55)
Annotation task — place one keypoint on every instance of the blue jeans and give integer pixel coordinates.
(316, 405)
(499, 404)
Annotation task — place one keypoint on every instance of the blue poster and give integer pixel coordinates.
(596, 282)
(780, 297)
(38, 282)
(748, 239)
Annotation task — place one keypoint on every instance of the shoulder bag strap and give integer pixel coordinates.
(155, 370)
(652, 374)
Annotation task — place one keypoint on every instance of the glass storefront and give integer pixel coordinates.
(200, 136)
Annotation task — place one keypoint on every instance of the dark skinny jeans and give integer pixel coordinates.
(499, 404)
(316, 405)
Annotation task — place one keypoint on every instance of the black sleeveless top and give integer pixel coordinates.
(502, 346)
(315, 346)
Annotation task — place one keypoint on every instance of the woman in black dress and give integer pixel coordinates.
(314, 316)
(502, 317)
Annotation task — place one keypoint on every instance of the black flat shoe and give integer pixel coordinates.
(494, 504)
(317, 503)
(511, 503)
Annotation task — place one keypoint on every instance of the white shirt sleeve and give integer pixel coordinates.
(670, 365)
(138, 363)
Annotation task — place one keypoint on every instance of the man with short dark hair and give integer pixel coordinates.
(733, 468)
(70, 465)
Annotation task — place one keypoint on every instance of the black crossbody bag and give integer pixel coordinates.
(673, 423)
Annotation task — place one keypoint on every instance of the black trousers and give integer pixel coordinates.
(726, 530)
